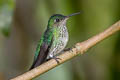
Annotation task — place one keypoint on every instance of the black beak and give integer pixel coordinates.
(73, 14)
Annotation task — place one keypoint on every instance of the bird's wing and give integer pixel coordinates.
(42, 50)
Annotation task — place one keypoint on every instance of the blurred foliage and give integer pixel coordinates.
(6, 31)
(6, 13)
(102, 62)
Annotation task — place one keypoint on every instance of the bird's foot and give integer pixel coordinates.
(55, 58)
(68, 49)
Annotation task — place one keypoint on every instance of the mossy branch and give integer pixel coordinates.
(79, 48)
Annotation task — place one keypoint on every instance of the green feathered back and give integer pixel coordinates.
(46, 38)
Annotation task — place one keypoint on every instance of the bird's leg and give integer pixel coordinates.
(67, 49)
(55, 58)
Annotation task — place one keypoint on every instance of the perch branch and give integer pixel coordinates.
(79, 48)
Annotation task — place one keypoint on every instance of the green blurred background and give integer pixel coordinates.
(23, 21)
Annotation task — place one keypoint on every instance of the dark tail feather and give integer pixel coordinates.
(32, 66)
(35, 64)
(41, 57)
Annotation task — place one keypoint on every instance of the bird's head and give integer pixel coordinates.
(57, 19)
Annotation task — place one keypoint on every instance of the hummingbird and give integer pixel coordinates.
(54, 39)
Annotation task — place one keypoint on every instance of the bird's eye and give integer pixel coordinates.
(57, 20)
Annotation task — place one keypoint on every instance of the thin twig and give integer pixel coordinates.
(79, 48)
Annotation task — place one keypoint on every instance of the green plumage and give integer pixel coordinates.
(46, 38)
(50, 31)
(53, 41)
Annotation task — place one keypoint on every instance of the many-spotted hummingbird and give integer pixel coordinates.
(54, 39)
